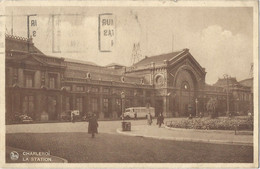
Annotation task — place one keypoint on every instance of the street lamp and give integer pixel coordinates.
(196, 101)
(227, 77)
(237, 105)
(122, 103)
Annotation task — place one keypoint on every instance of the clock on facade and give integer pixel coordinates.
(159, 80)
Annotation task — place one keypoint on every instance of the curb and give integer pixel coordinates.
(201, 130)
(128, 133)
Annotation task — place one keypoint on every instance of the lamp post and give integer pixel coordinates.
(227, 77)
(196, 101)
(122, 103)
(237, 105)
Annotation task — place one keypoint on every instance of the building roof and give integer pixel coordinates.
(79, 61)
(24, 50)
(247, 82)
(158, 59)
(114, 64)
(20, 44)
(232, 81)
(213, 88)
(80, 70)
(223, 82)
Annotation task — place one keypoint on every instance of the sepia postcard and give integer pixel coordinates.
(129, 84)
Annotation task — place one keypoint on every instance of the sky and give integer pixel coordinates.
(219, 38)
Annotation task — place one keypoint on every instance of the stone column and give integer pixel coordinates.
(64, 98)
(37, 79)
(166, 111)
(59, 106)
(144, 100)
(38, 106)
(135, 102)
(17, 107)
(113, 111)
(153, 101)
(85, 99)
(58, 81)
(20, 78)
(73, 102)
(101, 113)
(88, 103)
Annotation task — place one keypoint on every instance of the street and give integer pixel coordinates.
(111, 148)
(104, 127)
(72, 142)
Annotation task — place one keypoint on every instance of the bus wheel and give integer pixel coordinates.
(127, 117)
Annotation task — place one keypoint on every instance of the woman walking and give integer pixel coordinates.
(149, 119)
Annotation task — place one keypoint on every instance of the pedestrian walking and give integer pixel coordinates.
(72, 117)
(149, 119)
(135, 116)
(160, 119)
(93, 125)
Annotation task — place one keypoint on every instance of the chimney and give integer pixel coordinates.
(186, 49)
(30, 40)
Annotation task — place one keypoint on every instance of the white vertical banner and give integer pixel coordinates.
(33, 26)
(107, 32)
(56, 33)
(2, 31)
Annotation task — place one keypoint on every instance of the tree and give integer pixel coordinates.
(212, 107)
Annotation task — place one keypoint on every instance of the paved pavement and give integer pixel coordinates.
(104, 127)
(209, 136)
(139, 128)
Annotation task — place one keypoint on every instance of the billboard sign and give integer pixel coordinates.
(106, 32)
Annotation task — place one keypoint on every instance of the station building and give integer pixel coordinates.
(173, 83)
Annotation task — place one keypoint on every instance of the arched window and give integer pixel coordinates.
(88, 75)
(185, 86)
(142, 81)
(122, 79)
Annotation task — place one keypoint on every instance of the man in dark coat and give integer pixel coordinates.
(92, 125)
(160, 119)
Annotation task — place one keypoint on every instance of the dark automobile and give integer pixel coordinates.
(23, 118)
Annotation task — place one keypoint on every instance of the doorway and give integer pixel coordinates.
(186, 100)
(158, 107)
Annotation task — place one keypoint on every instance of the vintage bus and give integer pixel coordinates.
(141, 112)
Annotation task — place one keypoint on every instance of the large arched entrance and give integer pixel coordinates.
(186, 86)
(186, 99)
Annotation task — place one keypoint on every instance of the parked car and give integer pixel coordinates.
(24, 118)
(66, 116)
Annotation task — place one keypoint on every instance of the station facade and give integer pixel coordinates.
(174, 84)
